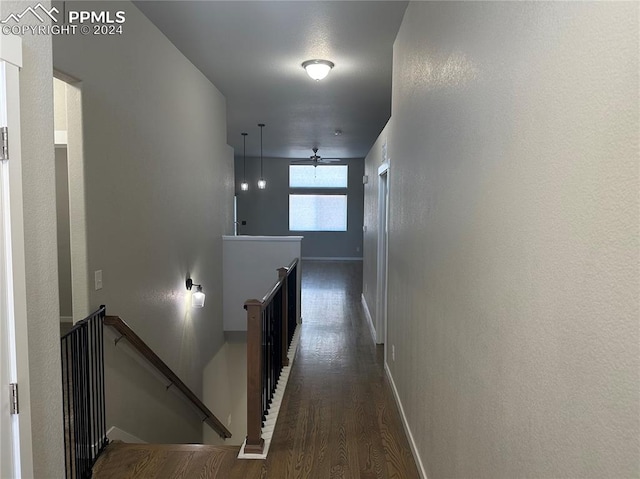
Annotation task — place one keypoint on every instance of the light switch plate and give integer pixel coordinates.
(98, 279)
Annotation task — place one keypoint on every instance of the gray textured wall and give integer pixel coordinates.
(267, 211)
(513, 269)
(370, 237)
(159, 191)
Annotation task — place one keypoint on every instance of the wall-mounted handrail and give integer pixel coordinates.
(269, 333)
(123, 328)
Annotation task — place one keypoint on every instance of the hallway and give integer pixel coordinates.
(338, 417)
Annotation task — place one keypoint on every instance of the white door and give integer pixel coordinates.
(15, 424)
(9, 439)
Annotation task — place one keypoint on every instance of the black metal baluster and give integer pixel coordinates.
(277, 349)
(77, 413)
(269, 356)
(292, 292)
(86, 426)
(264, 361)
(102, 407)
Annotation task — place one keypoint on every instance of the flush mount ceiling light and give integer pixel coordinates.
(318, 69)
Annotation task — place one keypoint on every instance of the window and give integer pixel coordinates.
(318, 198)
(318, 212)
(308, 176)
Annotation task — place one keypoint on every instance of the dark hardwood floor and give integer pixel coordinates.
(338, 418)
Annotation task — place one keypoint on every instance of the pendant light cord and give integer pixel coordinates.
(261, 125)
(244, 157)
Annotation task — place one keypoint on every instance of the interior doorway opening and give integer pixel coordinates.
(62, 205)
(73, 272)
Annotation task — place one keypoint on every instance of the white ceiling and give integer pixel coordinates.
(252, 51)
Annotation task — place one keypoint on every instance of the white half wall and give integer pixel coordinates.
(250, 265)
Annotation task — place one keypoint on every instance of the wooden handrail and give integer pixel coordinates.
(291, 265)
(283, 273)
(123, 328)
(272, 292)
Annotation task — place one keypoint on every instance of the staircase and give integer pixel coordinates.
(271, 345)
(85, 432)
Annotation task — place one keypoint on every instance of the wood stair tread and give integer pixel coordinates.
(125, 460)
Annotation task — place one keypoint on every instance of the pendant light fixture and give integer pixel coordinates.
(244, 186)
(262, 183)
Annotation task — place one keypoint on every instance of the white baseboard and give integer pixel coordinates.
(405, 424)
(66, 319)
(329, 258)
(117, 434)
(367, 314)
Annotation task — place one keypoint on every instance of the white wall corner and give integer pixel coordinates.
(11, 49)
(367, 314)
(116, 434)
(405, 424)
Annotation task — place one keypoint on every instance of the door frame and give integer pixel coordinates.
(382, 255)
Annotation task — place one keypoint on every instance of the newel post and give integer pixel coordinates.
(282, 276)
(255, 443)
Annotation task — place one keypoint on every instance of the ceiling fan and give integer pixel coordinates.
(316, 159)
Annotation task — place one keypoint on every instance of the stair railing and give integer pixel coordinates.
(271, 324)
(83, 390)
(85, 435)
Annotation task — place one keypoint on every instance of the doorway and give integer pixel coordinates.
(62, 205)
(73, 272)
(382, 256)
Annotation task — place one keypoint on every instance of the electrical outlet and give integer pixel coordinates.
(97, 276)
(393, 352)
